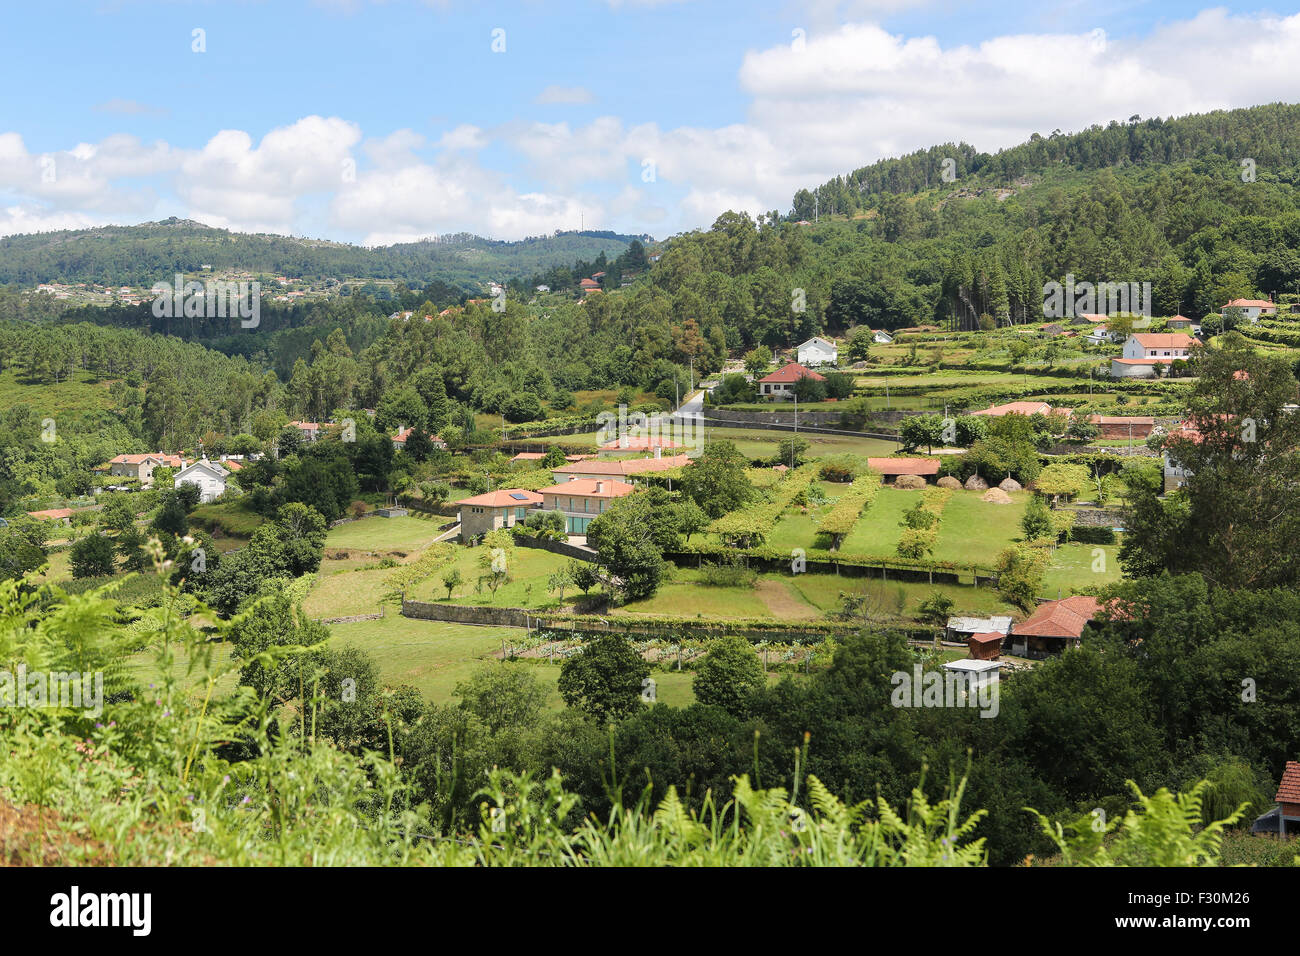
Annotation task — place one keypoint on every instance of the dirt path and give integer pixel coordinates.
(783, 602)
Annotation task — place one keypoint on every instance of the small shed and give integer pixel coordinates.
(985, 646)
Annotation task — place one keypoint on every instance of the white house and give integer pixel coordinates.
(818, 351)
(208, 475)
(1143, 351)
(1251, 309)
(881, 337)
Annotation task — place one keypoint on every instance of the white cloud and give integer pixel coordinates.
(839, 99)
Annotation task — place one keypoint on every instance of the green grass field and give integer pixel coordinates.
(385, 534)
(1080, 565)
(434, 657)
(824, 592)
(878, 530)
(227, 519)
(975, 531)
(758, 443)
(72, 398)
(528, 569)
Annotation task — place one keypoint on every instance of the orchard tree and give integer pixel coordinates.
(605, 679)
(729, 675)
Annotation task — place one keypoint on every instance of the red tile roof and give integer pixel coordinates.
(591, 488)
(623, 466)
(640, 443)
(1164, 340)
(788, 374)
(1144, 361)
(53, 514)
(1288, 790)
(904, 466)
(505, 498)
(1019, 408)
(1120, 420)
(1250, 304)
(986, 637)
(169, 461)
(1064, 618)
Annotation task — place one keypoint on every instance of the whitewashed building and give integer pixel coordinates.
(207, 475)
(818, 351)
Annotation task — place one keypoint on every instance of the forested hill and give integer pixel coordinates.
(150, 252)
(1269, 135)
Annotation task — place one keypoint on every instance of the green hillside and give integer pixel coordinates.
(144, 254)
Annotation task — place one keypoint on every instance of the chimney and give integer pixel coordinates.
(600, 486)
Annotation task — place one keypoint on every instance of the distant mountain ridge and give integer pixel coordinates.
(151, 252)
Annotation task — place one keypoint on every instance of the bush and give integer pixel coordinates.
(92, 557)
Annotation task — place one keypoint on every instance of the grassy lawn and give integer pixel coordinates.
(432, 656)
(384, 534)
(823, 591)
(878, 530)
(975, 531)
(529, 569)
(344, 594)
(1072, 567)
(231, 519)
(761, 443)
(58, 570)
(687, 598)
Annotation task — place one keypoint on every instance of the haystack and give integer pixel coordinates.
(948, 481)
(996, 496)
(1010, 484)
(910, 482)
(976, 483)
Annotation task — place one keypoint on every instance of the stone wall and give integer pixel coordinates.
(556, 547)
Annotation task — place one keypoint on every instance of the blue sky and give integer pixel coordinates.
(380, 121)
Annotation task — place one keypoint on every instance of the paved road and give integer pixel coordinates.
(693, 407)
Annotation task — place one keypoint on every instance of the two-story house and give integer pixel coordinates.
(496, 509)
(1143, 351)
(581, 500)
(208, 476)
(140, 467)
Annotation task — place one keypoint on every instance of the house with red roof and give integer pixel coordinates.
(399, 440)
(1054, 626)
(141, 467)
(495, 509)
(1137, 427)
(582, 500)
(622, 468)
(1143, 351)
(639, 443)
(1285, 817)
(891, 468)
(780, 384)
(1250, 309)
(1022, 408)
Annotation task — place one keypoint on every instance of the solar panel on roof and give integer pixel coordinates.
(518, 496)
